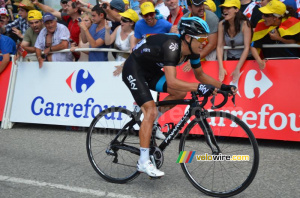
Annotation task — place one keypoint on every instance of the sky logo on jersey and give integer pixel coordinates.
(80, 81)
(185, 156)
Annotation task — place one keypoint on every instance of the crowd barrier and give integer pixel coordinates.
(72, 93)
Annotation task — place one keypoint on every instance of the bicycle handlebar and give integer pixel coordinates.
(223, 102)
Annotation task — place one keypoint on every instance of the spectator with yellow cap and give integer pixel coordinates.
(20, 25)
(278, 26)
(123, 36)
(210, 5)
(149, 24)
(36, 25)
(234, 30)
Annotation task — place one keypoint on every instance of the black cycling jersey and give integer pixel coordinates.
(162, 50)
(143, 69)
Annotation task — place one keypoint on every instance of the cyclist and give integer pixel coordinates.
(142, 71)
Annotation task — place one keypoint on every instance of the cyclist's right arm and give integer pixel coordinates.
(177, 84)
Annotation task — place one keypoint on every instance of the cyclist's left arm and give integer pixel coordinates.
(177, 84)
(206, 79)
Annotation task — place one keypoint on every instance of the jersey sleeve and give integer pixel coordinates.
(171, 52)
(195, 61)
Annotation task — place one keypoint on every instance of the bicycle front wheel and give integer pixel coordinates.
(229, 172)
(111, 144)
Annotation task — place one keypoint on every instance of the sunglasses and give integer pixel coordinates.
(196, 4)
(64, 2)
(199, 38)
(125, 20)
(150, 14)
(268, 15)
(232, 44)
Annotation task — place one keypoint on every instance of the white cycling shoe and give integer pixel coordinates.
(159, 134)
(149, 169)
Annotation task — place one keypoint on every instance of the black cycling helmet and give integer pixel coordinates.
(192, 26)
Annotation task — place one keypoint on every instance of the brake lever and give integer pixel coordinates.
(212, 100)
(233, 100)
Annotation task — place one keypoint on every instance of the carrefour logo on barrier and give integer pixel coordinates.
(263, 84)
(77, 80)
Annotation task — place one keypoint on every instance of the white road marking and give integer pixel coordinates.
(63, 187)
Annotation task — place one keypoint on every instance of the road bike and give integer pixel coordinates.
(224, 151)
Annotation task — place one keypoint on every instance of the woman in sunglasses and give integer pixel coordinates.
(122, 36)
(278, 26)
(234, 30)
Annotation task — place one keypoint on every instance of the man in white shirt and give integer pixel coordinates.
(53, 37)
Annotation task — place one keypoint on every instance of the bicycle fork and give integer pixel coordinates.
(208, 133)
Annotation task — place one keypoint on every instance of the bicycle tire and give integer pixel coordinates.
(220, 178)
(103, 129)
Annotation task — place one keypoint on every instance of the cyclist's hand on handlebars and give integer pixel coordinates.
(228, 88)
(206, 90)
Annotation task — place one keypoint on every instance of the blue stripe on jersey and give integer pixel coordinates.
(195, 61)
(160, 84)
(173, 34)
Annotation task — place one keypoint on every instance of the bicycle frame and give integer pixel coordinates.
(200, 114)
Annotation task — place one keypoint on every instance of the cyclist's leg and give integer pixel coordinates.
(134, 77)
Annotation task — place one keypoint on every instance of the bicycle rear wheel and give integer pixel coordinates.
(211, 173)
(115, 161)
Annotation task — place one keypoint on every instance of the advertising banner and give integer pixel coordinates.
(267, 100)
(4, 81)
(67, 93)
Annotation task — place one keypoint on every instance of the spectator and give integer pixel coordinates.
(2, 3)
(4, 20)
(196, 8)
(113, 10)
(210, 5)
(162, 8)
(176, 12)
(276, 27)
(149, 24)
(20, 25)
(134, 4)
(250, 9)
(126, 2)
(7, 48)
(96, 34)
(234, 30)
(53, 37)
(87, 20)
(71, 18)
(123, 36)
(36, 25)
(64, 5)
(10, 8)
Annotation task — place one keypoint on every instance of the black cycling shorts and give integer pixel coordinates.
(140, 80)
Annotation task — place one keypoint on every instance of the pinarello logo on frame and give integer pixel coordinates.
(80, 81)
